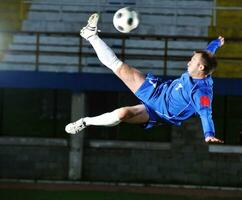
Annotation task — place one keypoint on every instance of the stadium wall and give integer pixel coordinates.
(186, 160)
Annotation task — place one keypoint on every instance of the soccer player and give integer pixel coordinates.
(170, 101)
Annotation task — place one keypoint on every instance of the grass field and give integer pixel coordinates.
(10, 194)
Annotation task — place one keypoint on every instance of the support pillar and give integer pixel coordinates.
(76, 141)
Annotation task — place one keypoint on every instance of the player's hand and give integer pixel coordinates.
(211, 139)
(221, 38)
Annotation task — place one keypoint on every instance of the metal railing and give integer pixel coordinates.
(161, 55)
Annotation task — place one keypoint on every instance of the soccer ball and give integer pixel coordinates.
(125, 20)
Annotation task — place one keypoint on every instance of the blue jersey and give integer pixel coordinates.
(176, 100)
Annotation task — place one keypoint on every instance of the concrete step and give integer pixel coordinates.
(63, 40)
(49, 48)
(41, 67)
(96, 69)
(31, 58)
(57, 68)
(108, 71)
(158, 7)
(20, 58)
(17, 66)
(59, 59)
(22, 47)
(108, 18)
(159, 29)
(25, 38)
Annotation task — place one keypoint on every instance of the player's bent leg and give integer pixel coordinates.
(133, 114)
(106, 119)
(103, 51)
(132, 77)
(129, 75)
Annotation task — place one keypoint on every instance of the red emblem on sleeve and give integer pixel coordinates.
(204, 101)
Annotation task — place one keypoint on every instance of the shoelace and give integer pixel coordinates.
(77, 128)
(90, 28)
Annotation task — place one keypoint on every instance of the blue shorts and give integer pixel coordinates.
(151, 87)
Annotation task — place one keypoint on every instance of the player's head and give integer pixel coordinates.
(202, 64)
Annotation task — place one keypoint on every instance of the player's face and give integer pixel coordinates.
(194, 66)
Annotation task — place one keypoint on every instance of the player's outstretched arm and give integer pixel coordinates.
(208, 126)
(215, 44)
(203, 105)
(221, 38)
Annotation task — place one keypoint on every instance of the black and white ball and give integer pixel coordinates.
(125, 20)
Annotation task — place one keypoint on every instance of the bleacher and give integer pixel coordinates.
(58, 46)
(158, 17)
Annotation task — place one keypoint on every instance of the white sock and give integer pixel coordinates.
(105, 53)
(106, 119)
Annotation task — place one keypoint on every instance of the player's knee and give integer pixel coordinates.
(124, 113)
(120, 70)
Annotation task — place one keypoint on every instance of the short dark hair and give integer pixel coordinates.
(208, 60)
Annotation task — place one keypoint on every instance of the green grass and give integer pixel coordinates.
(94, 195)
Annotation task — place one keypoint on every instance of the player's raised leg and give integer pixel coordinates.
(132, 114)
(132, 77)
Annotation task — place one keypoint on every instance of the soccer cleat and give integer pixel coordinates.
(91, 28)
(75, 127)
